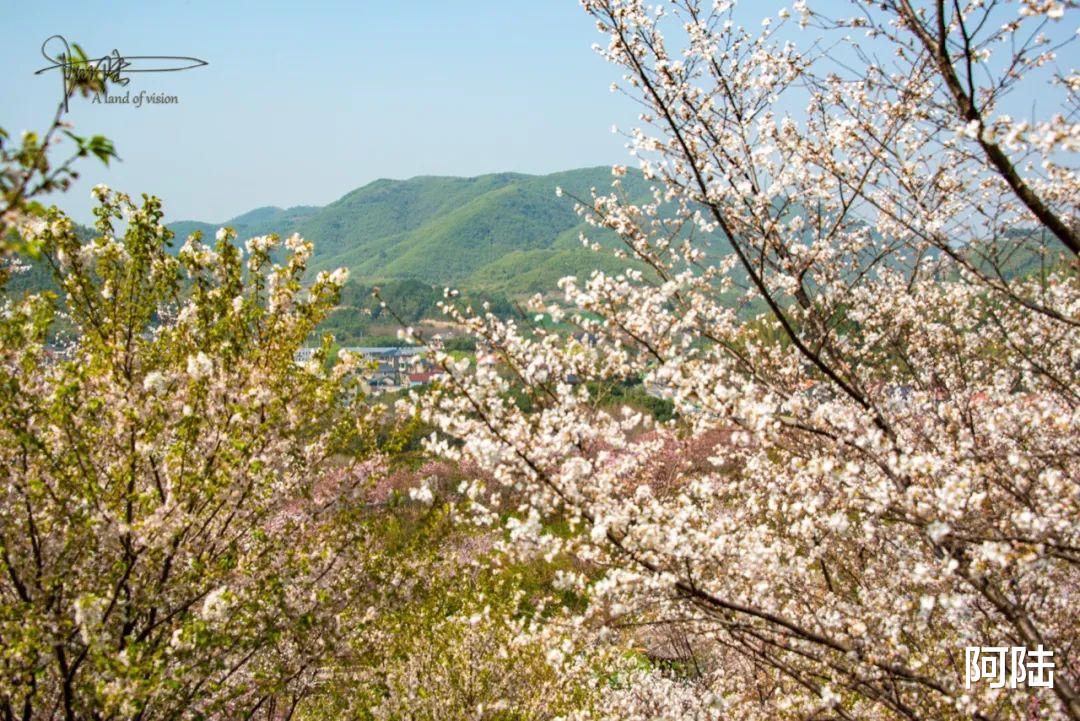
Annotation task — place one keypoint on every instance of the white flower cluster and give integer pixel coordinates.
(875, 466)
(199, 366)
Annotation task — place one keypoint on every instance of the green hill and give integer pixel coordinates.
(260, 221)
(505, 232)
(538, 271)
(496, 237)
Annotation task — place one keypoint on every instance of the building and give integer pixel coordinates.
(395, 367)
(425, 377)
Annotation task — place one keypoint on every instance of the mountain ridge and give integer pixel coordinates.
(490, 231)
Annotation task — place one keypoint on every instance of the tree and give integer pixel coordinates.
(893, 473)
(179, 523)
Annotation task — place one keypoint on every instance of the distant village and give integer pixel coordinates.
(396, 369)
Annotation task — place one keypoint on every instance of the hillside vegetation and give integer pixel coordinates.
(505, 232)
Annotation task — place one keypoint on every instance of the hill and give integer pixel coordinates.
(504, 232)
(261, 221)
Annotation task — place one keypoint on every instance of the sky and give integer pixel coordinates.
(302, 102)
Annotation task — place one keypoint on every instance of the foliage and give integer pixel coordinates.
(482, 233)
(631, 394)
(368, 315)
(448, 637)
(177, 530)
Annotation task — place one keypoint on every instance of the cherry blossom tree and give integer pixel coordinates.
(179, 514)
(892, 441)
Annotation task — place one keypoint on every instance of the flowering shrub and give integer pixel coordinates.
(179, 522)
(892, 472)
(445, 634)
(458, 645)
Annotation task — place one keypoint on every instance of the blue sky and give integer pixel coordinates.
(302, 102)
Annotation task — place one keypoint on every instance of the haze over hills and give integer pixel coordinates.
(507, 231)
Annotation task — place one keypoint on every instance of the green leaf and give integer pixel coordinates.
(102, 148)
(98, 145)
